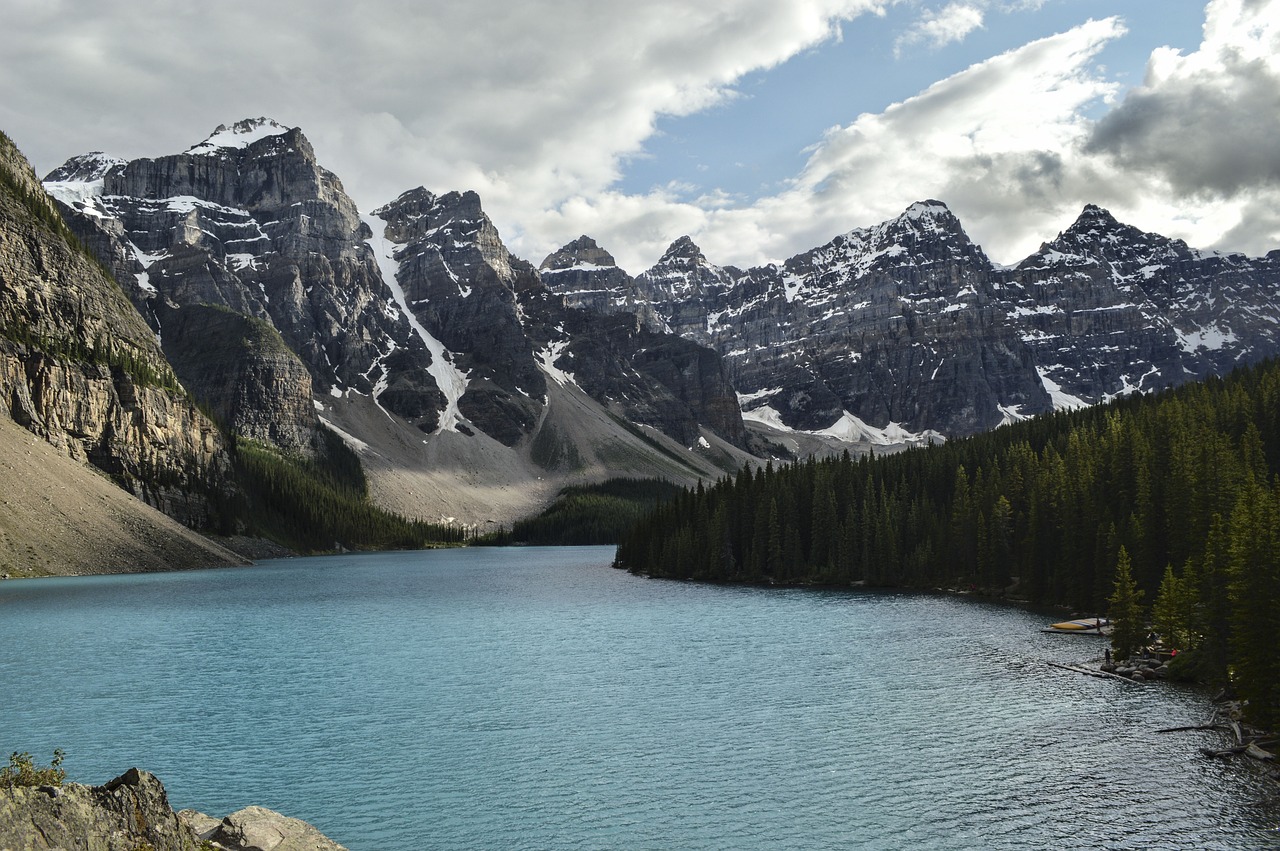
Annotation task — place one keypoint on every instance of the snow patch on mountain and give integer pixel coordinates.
(848, 428)
(1010, 414)
(766, 415)
(547, 358)
(349, 439)
(1128, 386)
(929, 211)
(242, 134)
(74, 193)
(451, 380)
(851, 429)
(1062, 401)
(745, 399)
(1211, 337)
(79, 181)
(577, 267)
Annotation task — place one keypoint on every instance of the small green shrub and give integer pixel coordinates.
(22, 771)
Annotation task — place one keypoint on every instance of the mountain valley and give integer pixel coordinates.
(256, 303)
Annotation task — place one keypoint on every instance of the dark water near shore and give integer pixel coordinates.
(535, 698)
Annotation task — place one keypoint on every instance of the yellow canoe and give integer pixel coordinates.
(1081, 624)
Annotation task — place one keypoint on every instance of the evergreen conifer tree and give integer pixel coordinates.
(1128, 627)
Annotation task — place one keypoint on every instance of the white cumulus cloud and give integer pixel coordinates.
(942, 26)
(539, 107)
(997, 142)
(1201, 130)
(1010, 145)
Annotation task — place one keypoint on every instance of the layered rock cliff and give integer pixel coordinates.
(460, 283)
(245, 375)
(248, 220)
(508, 334)
(81, 369)
(587, 276)
(1109, 309)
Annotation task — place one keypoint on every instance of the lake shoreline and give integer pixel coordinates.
(531, 697)
(1096, 665)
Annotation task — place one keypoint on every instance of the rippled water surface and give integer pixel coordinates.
(536, 698)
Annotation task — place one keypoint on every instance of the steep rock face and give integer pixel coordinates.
(586, 276)
(684, 288)
(633, 359)
(241, 368)
(248, 220)
(81, 369)
(1109, 309)
(656, 379)
(505, 332)
(417, 305)
(461, 282)
(907, 326)
(891, 325)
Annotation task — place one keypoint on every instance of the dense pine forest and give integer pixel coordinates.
(1179, 490)
(321, 504)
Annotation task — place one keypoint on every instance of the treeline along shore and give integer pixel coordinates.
(1182, 486)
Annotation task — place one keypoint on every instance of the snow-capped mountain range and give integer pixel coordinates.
(412, 330)
(907, 328)
(412, 327)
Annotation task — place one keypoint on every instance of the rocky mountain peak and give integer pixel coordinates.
(241, 134)
(926, 236)
(258, 166)
(586, 276)
(1093, 211)
(429, 212)
(459, 206)
(454, 225)
(931, 210)
(683, 252)
(81, 178)
(411, 203)
(1096, 236)
(581, 253)
(928, 220)
(85, 167)
(1092, 222)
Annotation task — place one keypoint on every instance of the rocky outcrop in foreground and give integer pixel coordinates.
(132, 812)
(258, 829)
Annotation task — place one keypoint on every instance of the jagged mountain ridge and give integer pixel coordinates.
(907, 327)
(416, 313)
(888, 333)
(512, 335)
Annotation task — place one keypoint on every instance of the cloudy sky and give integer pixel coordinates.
(760, 127)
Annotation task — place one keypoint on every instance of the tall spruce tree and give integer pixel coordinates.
(1128, 625)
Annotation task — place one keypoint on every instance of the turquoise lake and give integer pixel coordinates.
(537, 698)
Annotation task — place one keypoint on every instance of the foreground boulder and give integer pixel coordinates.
(131, 812)
(258, 829)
